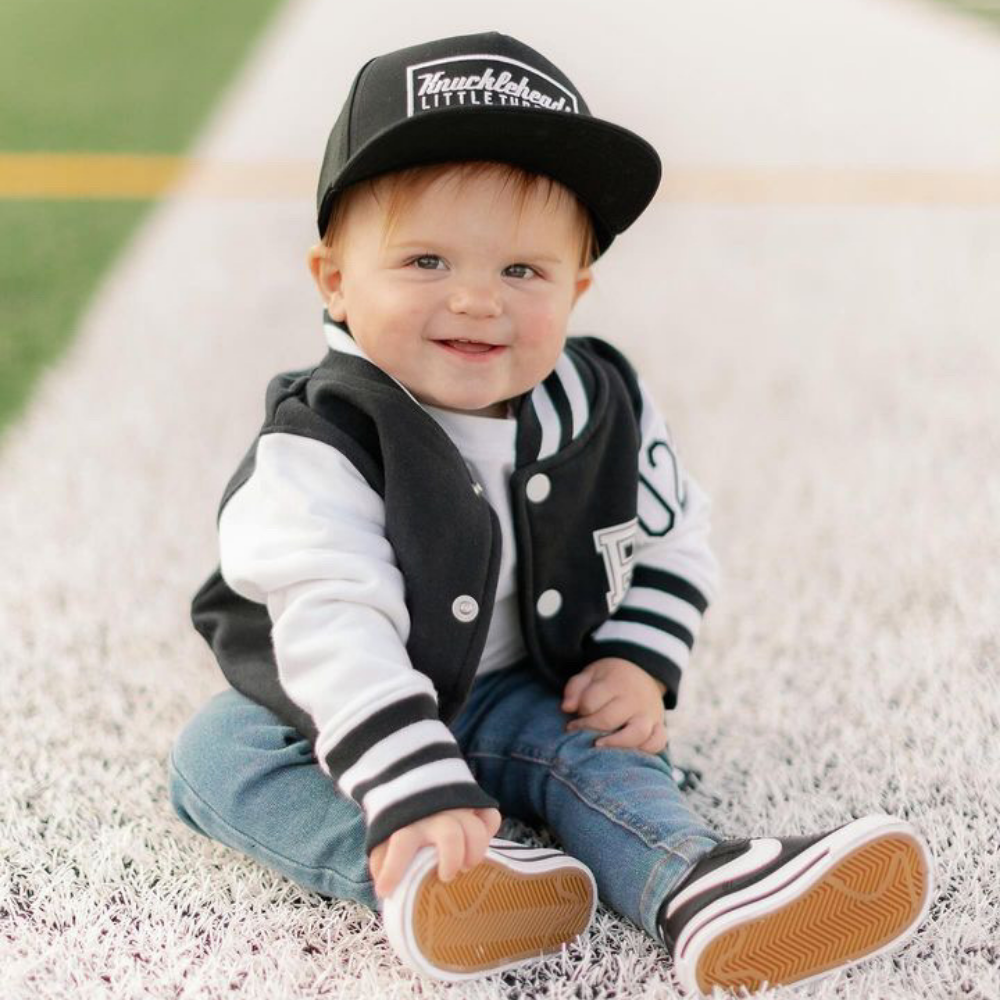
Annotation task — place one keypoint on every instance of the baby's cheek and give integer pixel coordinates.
(547, 337)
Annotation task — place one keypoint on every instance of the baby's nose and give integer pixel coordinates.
(475, 299)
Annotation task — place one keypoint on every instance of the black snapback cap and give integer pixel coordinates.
(486, 97)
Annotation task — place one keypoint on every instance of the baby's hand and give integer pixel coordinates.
(613, 693)
(460, 835)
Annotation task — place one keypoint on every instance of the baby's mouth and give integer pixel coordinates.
(470, 346)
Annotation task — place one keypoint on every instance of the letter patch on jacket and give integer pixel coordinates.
(658, 512)
(616, 546)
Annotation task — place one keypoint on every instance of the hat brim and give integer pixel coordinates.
(613, 171)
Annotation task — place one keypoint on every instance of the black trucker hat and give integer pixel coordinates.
(486, 97)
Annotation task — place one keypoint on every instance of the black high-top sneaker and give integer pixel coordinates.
(772, 911)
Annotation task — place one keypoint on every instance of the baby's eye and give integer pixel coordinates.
(426, 257)
(523, 267)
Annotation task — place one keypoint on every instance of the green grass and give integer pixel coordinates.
(116, 75)
(66, 247)
(113, 76)
(988, 10)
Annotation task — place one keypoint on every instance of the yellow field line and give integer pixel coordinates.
(82, 176)
(48, 175)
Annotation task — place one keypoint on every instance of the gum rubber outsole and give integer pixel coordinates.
(491, 916)
(859, 906)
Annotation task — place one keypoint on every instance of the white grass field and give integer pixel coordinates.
(829, 364)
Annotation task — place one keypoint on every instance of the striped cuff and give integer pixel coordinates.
(400, 764)
(654, 627)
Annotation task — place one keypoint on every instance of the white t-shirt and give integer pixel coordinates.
(488, 446)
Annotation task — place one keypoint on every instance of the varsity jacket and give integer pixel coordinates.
(359, 563)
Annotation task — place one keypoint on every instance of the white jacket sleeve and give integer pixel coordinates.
(305, 535)
(675, 574)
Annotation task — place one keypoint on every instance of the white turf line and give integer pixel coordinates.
(830, 375)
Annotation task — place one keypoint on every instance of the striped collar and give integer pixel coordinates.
(549, 416)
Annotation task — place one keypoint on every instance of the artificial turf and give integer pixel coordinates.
(105, 76)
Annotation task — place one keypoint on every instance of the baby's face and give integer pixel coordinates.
(459, 267)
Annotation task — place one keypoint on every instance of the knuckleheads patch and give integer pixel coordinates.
(483, 81)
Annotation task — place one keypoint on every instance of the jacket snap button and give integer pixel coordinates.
(464, 608)
(538, 488)
(549, 603)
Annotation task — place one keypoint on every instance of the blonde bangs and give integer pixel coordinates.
(401, 187)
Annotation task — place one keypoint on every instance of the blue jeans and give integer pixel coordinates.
(240, 776)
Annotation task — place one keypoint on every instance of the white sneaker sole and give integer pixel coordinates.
(853, 895)
(517, 906)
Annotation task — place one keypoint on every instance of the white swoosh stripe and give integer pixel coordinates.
(761, 853)
(549, 419)
(573, 387)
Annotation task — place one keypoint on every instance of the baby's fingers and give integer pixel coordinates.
(477, 840)
(606, 719)
(451, 852)
(658, 739)
(634, 733)
(575, 687)
(376, 859)
(402, 846)
(491, 819)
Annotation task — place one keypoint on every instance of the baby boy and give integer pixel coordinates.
(462, 570)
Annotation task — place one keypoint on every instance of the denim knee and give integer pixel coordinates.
(179, 792)
(228, 755)
(240, 776)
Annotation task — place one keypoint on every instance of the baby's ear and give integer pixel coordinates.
(326, 274)
(583, 281)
